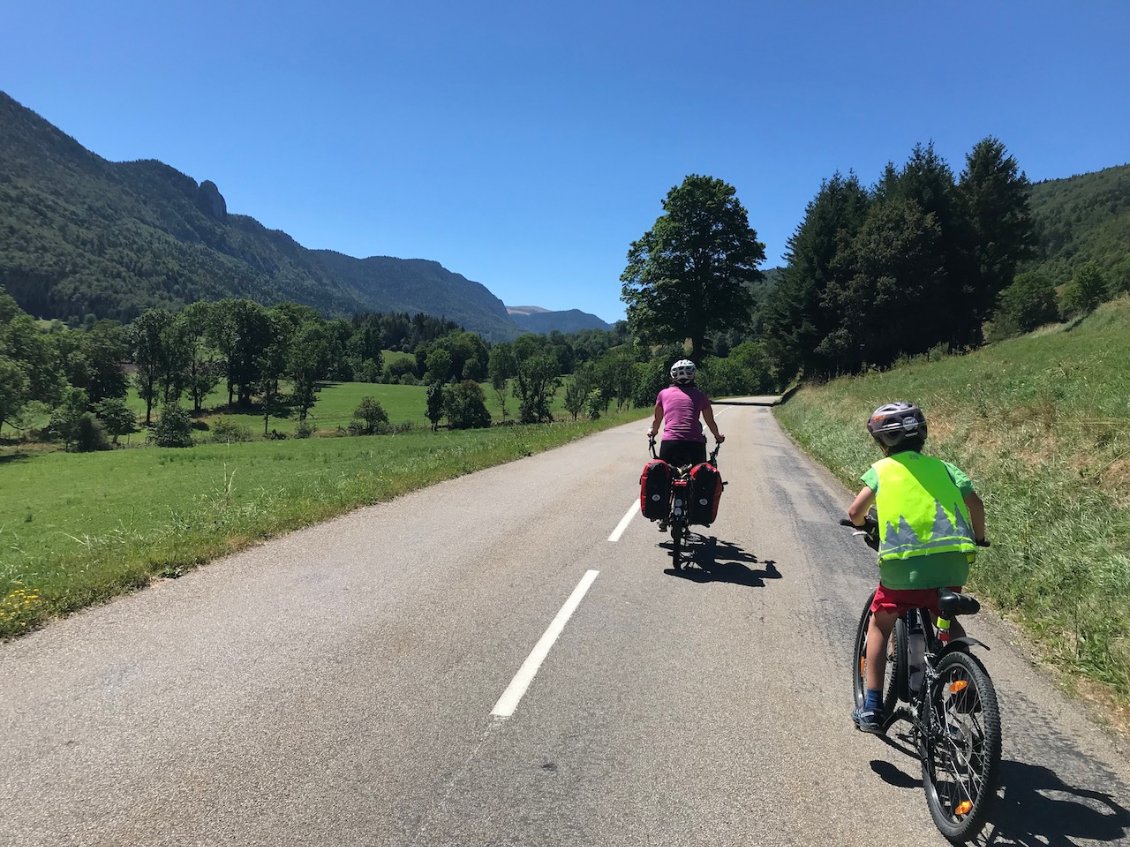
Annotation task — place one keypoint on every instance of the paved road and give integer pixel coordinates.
(336, 686)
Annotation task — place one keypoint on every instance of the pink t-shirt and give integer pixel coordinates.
(681, 407)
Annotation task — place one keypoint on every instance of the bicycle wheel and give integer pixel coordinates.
(895, 672)
(678, 539)
(962, 749)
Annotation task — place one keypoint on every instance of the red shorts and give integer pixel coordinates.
(897, 600)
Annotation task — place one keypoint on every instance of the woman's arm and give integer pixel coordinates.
(651, 433)
(708, 416)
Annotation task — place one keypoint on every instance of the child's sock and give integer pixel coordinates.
(873, 700)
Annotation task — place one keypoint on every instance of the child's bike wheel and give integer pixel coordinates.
(962, 746)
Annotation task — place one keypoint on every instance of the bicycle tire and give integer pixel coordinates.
(962, 746)
(894, 675)
(678, 530)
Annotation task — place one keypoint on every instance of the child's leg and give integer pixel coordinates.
(878, 633)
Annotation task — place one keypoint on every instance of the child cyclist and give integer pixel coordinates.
(930, 521)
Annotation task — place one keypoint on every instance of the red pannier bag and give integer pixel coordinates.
(706, 491)
(655, 490)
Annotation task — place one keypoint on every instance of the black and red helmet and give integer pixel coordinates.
(894, 423)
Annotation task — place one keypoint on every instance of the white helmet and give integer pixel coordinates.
(683, 371)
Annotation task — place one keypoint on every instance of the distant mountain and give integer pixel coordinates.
(537, 319)
(83, 236)
(1083, 218)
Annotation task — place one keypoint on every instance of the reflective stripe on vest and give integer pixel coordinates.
(920, 508)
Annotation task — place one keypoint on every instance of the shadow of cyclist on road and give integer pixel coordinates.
(1035, 808)
(711, 560)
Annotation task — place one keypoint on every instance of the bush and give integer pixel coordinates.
(1026, 304)
(89, 435)
(305, 429)
(465, 406)
(368, 418)
(174, 428)
(229, 432)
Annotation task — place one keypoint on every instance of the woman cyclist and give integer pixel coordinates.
(679, 406)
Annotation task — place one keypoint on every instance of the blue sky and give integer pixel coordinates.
(526, 145)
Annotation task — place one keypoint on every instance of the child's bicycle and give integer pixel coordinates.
(945, 693)
(678, 513)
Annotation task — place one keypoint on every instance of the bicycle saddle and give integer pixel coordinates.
(951, 603)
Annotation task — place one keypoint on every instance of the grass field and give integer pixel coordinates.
(1042, 425)
(80, 528)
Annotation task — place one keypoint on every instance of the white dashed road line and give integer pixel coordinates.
(510, 698)
(624, 521)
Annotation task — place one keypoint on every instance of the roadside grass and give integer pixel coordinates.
(78, 529)
(1042, 425)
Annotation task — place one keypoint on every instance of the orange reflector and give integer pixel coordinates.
(958, 685)
(963, 808)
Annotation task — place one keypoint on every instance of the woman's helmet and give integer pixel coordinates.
(894, 423)
(683, 371)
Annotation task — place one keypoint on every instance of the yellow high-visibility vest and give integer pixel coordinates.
(921, 510)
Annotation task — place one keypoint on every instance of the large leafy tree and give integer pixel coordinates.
(148, 337)
(692, 271)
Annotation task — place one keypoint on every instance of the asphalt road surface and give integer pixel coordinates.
(479, 664)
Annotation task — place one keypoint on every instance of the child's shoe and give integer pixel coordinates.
(869, 720)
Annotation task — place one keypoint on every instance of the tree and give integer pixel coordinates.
(14, 387)
(67, 416)
(435, 404)
(692, 271)
(501, 367)
(995, 196)
(116, 417)
(439, 365)
(577, 393)
(464, 406)
(307, 362)
(147, 336)
(797, 316)
(535, 379)
(1087, 289)
(201, 370)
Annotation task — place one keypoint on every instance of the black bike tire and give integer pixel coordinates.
(965, 827)
(895, 668)
(677, 543)
(899, 655)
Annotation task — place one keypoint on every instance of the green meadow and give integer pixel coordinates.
(80, 528)
(1042, 425)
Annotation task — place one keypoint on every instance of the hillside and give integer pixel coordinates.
(1081, 218)
(545, 321)
(83, 236)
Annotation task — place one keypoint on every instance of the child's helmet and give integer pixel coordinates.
(893, 423)
(683, 371)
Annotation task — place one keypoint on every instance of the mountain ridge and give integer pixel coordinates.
(83, 236)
